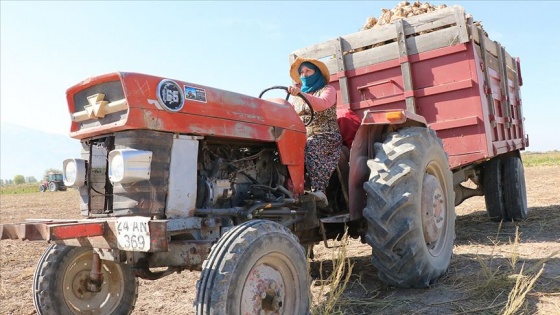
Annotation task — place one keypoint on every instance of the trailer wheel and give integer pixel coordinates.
(53, 186)
(257, 267)
(410, 208)
(59, 284)
(493, 189)
(515, 193)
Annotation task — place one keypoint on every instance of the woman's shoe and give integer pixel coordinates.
(320, 198)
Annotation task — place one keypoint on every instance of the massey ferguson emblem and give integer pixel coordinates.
(170, 95)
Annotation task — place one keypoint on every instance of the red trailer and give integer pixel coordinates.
(444, 71)
(189, 177)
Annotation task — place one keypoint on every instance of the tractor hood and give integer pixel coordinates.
(125, 101)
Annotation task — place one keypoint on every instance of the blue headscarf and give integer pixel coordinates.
(314, 82)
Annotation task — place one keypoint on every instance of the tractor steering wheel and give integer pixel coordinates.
(307, 119)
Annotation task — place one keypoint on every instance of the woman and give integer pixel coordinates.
(324, 141)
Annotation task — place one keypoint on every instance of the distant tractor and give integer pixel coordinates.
(52, 182)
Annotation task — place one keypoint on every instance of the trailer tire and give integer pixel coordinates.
(493, 189)
(257, 266)
(57, 285)
(410, 208)
(515, 192)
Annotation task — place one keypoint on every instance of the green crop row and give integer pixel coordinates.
(549, 158)
(19, 189)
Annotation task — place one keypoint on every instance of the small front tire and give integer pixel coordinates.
(58, 284)
(257, 267)
(53, 186)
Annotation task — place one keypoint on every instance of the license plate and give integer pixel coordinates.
(133, 234)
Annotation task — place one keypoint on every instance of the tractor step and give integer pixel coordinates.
(343, 218)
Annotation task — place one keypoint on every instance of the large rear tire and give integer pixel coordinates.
(515, 193)
(410, 208)
(493, 191)
(58, 284)
(257, 267)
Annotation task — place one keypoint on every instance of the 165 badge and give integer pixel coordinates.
(170, 95)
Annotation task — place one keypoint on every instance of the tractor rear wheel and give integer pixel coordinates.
(493, 191)
(410, 208)
(515, 193)
(59, 284)
(257, 267)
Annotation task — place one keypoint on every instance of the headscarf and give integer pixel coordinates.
(313, 82)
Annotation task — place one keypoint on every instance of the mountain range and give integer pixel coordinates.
(30, 152)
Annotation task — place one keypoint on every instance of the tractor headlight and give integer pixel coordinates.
(129, 165)
(74, 172)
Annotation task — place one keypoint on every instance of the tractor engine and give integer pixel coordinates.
(237, 175)
(139, 173)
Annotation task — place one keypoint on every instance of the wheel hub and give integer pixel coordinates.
(271, 300)
(433, 209)
(77, 295)
(263, 293)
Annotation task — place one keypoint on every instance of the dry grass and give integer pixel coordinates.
(523, 284)
(337, 285)
(515, 282)
(332, 288)
(498, 282)
(501, 284)
(524, 281)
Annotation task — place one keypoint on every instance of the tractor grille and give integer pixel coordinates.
(146, 198)
(113, 92)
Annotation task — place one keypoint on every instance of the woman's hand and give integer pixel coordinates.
(293, 90)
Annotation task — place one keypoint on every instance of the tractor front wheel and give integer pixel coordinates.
(257, 267)
(60, 284)
(53, 186)
(410, 208)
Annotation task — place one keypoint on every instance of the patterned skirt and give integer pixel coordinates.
(322, 153)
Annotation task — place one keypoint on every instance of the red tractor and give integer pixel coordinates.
(188, 177)
(52, 182)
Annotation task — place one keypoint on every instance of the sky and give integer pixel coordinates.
(46, 47)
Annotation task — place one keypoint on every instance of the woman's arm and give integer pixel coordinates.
(325, 100)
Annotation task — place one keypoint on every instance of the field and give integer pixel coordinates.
(491, 262)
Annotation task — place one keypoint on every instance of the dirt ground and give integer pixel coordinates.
(478, 282)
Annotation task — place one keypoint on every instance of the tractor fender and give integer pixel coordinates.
(373, 126)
